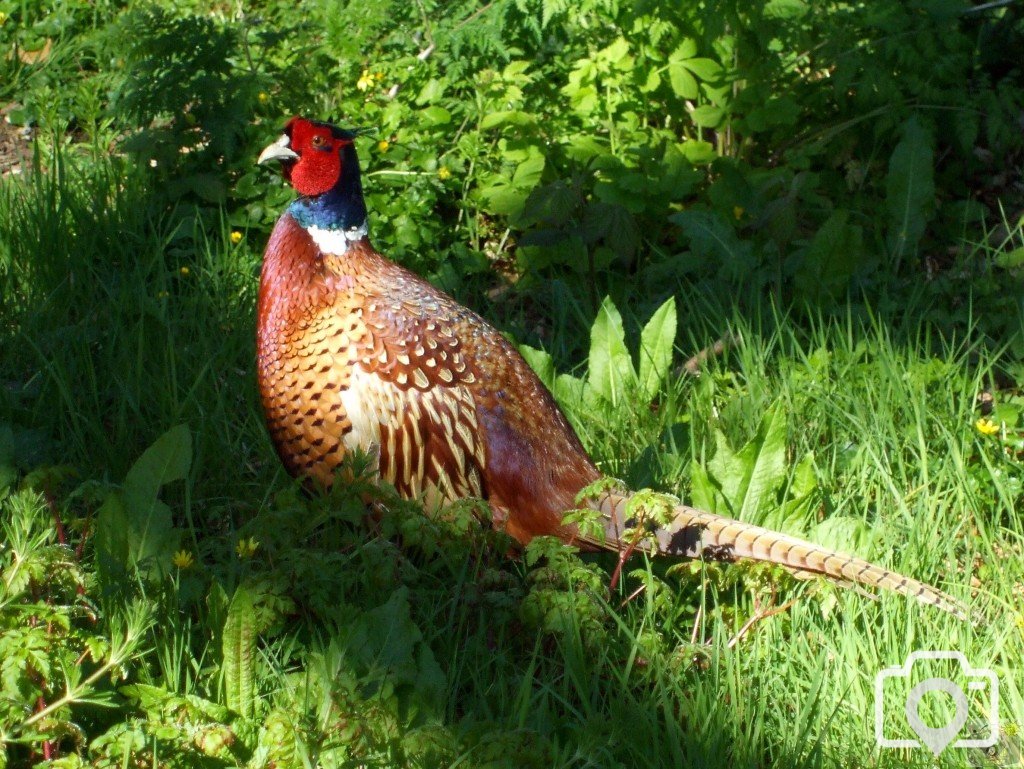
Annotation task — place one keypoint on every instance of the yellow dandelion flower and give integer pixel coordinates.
(383, 145)
(236, 237)
(185, 271)
(365, 80)
(443, 173)
(378, 75)
(986, 426)
(737, 212)
(183, 559)
(263, 97)
(246, 548)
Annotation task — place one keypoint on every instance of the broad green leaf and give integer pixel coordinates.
(431, 92)
(238, 648)
(153, 538)
(145, 696)
(508, 117)
(387, 639)
(1007, 413)
(133, 527)
(795, 514)
(707, 116)
(585, 147)
(710, 237)
(686, 50)
(516, 70)
(617, 53)
(573, 390)
(698, 152)
(277, 744)
(909, 189)
(611, 222)
(751, 477)
(113, 538)
(206, 186)
(1010, 259)
(684, 68)
(652, 81)
(805, 480)
(611, 369)
(528, 172)
(656, 342)
(504, 199)
(168, 459)
(844, 533)
(966, 124)
(552, 248)
(782, 110)
(8, 470)
(584, 99)
(552, 204)
(150, 526)
(835, 253)
(785, 9)
(705, 69)
(704, 494)
(435, 115)
(541, 363)
(684, 84)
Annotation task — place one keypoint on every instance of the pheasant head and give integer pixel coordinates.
(319, 161)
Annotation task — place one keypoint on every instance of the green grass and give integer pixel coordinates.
(406, 642)
(302, 634)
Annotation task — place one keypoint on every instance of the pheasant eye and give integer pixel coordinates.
(318, 140)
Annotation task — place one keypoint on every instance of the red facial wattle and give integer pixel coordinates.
(318, 166)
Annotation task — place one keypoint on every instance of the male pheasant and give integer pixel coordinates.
(357, 353)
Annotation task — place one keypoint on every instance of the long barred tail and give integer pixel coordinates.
(697, 534)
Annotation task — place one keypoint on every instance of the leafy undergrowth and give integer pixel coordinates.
(293, 630)
(831, 191)
(169, 598)
(584, 148)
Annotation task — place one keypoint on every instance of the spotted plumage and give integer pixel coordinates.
(357, 353)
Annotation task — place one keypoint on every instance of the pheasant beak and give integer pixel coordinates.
(279, 150)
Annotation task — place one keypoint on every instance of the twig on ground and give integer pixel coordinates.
(758, 615)
(632, 595)
(696, 624)
(694, 364)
